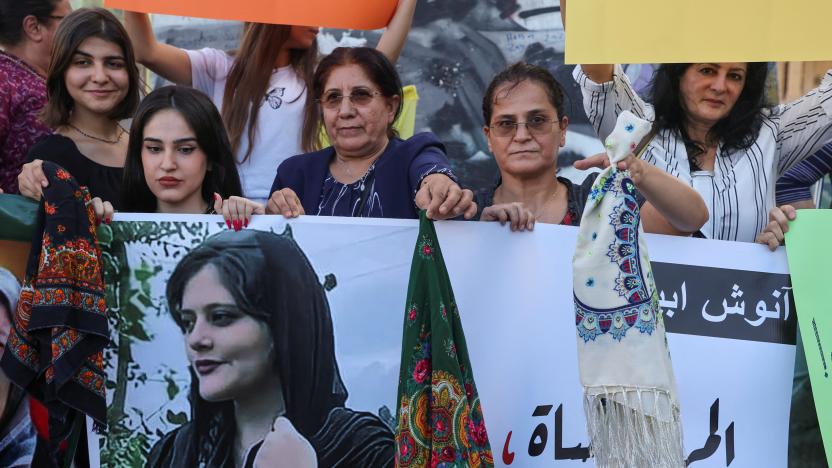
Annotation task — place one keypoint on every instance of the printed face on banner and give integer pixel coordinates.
(217, 325)
(231, 352)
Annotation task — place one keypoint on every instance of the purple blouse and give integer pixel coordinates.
(22, 96)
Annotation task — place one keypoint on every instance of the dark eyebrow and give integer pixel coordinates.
(177, 142)
(87, 54)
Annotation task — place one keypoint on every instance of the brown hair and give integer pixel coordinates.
(375, 65)
(253, 66)
(77, 27)
(518, 73)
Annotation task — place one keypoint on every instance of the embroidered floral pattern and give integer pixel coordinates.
(60, 325)
(440, 422)
(629, 282)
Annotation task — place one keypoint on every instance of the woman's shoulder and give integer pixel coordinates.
(354, 438)
(168, 451)
(418, 143)
(307, 159)
(53, 147)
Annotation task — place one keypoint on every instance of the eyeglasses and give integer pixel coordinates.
(359, 98)
(536, 126)
(56, 17)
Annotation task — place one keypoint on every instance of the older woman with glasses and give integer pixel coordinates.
(368, 171)
(525, 126)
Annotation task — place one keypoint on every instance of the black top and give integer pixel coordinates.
(102, 181)
(347, 439)
(576, 196)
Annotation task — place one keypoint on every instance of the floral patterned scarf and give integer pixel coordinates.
(629, 389)
(440, 421)
(59, 330)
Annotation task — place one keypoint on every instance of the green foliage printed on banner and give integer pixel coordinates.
(130, 302)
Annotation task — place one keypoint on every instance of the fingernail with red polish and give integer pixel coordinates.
(228, 223)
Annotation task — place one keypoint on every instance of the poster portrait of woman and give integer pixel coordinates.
(259, 340)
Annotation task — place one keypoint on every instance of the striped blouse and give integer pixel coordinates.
(740, 190)
(796, 184)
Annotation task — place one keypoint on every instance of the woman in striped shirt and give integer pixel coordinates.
(715, 133)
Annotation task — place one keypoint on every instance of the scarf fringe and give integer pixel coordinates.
(624, 432)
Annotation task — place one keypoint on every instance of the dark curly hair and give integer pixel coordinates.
(738, 130)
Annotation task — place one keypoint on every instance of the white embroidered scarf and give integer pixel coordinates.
(629, 390)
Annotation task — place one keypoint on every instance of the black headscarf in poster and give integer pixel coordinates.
(271, 279)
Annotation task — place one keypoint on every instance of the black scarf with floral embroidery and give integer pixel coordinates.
(59, 331)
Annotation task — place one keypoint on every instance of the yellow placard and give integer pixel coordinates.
(677, 31)
(363, 14)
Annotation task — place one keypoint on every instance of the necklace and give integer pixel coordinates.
(343, 163)
(103, 140)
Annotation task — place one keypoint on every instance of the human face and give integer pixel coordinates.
(710, 90)
(231, 352)
(302, 37)
(97, 78)
(525, 154)
(174, 164)
(357, 130)
(40, 34)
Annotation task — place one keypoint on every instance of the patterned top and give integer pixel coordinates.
(22, 96)
(740, 191)
(794, 185)
(575, 199)
(387, 190)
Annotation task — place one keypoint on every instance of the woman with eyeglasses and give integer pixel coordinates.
(27, 29)
(261, 88)
(368, 171)
(525, 126)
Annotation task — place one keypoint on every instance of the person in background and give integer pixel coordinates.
(261, 88)
(18, 437)
(27, 29)
(368, 171)
(93, 83)
(523, 110)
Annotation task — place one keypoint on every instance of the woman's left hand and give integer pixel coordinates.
(638, 168)
(284, 447)
(103, 210)
(444, 198)
(775, 231)
(237, 211)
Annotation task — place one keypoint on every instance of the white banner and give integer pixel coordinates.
(733, 362)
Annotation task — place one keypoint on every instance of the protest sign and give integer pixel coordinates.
(366, 14)
(807, 245)
(681, 31)
(733, 358)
